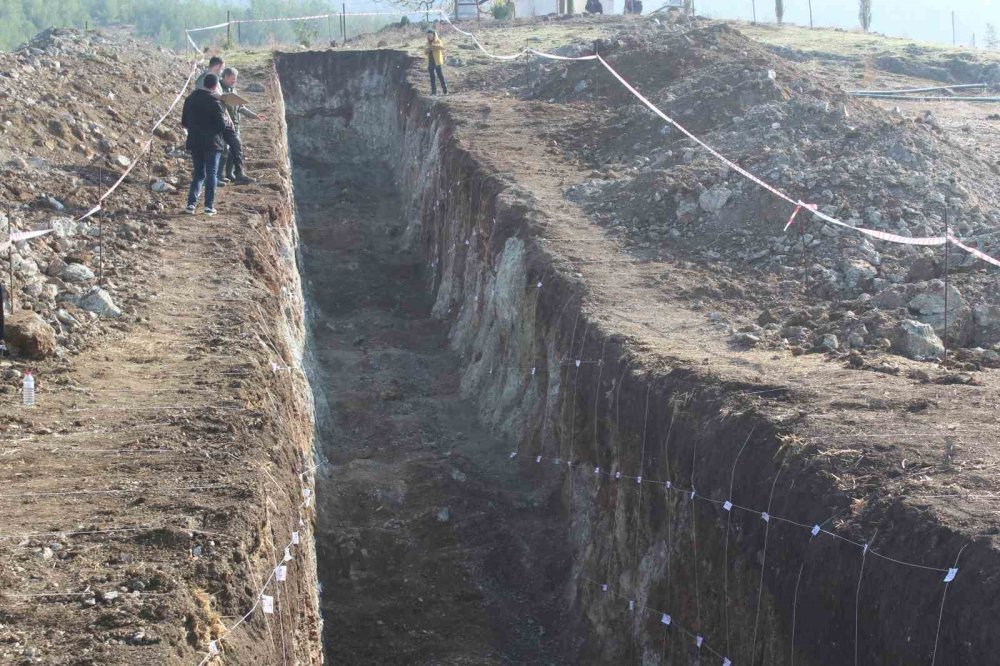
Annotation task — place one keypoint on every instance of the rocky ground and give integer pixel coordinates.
(784, 114)
(74, 110)
(147, 491)
(816, 287)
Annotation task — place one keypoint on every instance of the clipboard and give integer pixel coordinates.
(232, 99)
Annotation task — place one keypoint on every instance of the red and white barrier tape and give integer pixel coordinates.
(19, 236)
(873, 233)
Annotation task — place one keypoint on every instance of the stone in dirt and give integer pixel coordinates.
(77, 273)
(917, 340)
(29, 335)
(712, 200)
(100, 303)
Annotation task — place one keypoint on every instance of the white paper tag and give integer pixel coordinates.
(668, 485)
(597, 470)
(466, 242)
(726, 662)
(665, 619)
(295, 538)
(538, 459)
(213, 647)
(618, 475)
(604, 588)
(728, 506)
(280, 573)
(539, 285)
(274, 366)
(950, 576)
(698, 640)
(267, 603)
(638, 479)
(288, 555)
(512, 454)
(766, 517)
(815, 530)
(533, 372)
(578, 363)
(692, 493)
(865, 551)
(631, 604)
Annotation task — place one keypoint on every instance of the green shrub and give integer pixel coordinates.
(502, 11)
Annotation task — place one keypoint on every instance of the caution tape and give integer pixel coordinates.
(799, 205)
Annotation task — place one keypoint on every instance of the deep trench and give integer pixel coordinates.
(433, 545)
(430, 549)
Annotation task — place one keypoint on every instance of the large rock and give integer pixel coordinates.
(77, 273)
(713, 199)
(987, 316)
(100, 303)
(929, 306)
(917, 340)
(858, 272)
(30, 335)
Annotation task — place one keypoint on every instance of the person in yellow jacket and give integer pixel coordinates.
(435, 59)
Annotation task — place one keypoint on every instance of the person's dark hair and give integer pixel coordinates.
(211, 81)
(215, 61)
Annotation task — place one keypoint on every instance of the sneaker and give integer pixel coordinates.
(210, 212)
(191, 209)
(220, 182)
(243, 179)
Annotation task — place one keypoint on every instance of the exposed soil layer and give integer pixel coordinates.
(609, 368)
(432, 549)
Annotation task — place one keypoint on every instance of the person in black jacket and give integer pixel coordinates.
(204, 118)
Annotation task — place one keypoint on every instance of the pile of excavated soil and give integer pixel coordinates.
(816, 287)
(75, 109)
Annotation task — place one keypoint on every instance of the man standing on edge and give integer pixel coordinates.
(231, 165)
(435, 59)
(215, 65)
(205, 121)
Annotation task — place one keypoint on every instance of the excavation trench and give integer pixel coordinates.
(431, 549)
(443, 340)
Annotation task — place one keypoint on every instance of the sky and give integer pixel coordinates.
(923, 20)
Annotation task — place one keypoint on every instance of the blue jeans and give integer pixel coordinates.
(206, 166)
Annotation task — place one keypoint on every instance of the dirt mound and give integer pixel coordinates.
(865, 165)
(75, 108)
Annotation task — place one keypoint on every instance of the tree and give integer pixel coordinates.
(865, 14)
(992, 42)
(779, 10)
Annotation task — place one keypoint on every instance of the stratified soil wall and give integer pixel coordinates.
(561, 389)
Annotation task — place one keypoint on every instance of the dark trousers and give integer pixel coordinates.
(231, 161)
(436, 69)
(205, 167)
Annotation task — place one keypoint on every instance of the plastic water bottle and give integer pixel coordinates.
(29, 390)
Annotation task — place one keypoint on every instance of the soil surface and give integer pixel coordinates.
(150, 485)
(145, 494)
(432, 549)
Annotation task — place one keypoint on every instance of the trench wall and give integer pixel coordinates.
(742, 583)
(293, 633)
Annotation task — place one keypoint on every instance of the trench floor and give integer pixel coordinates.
(431, 548)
